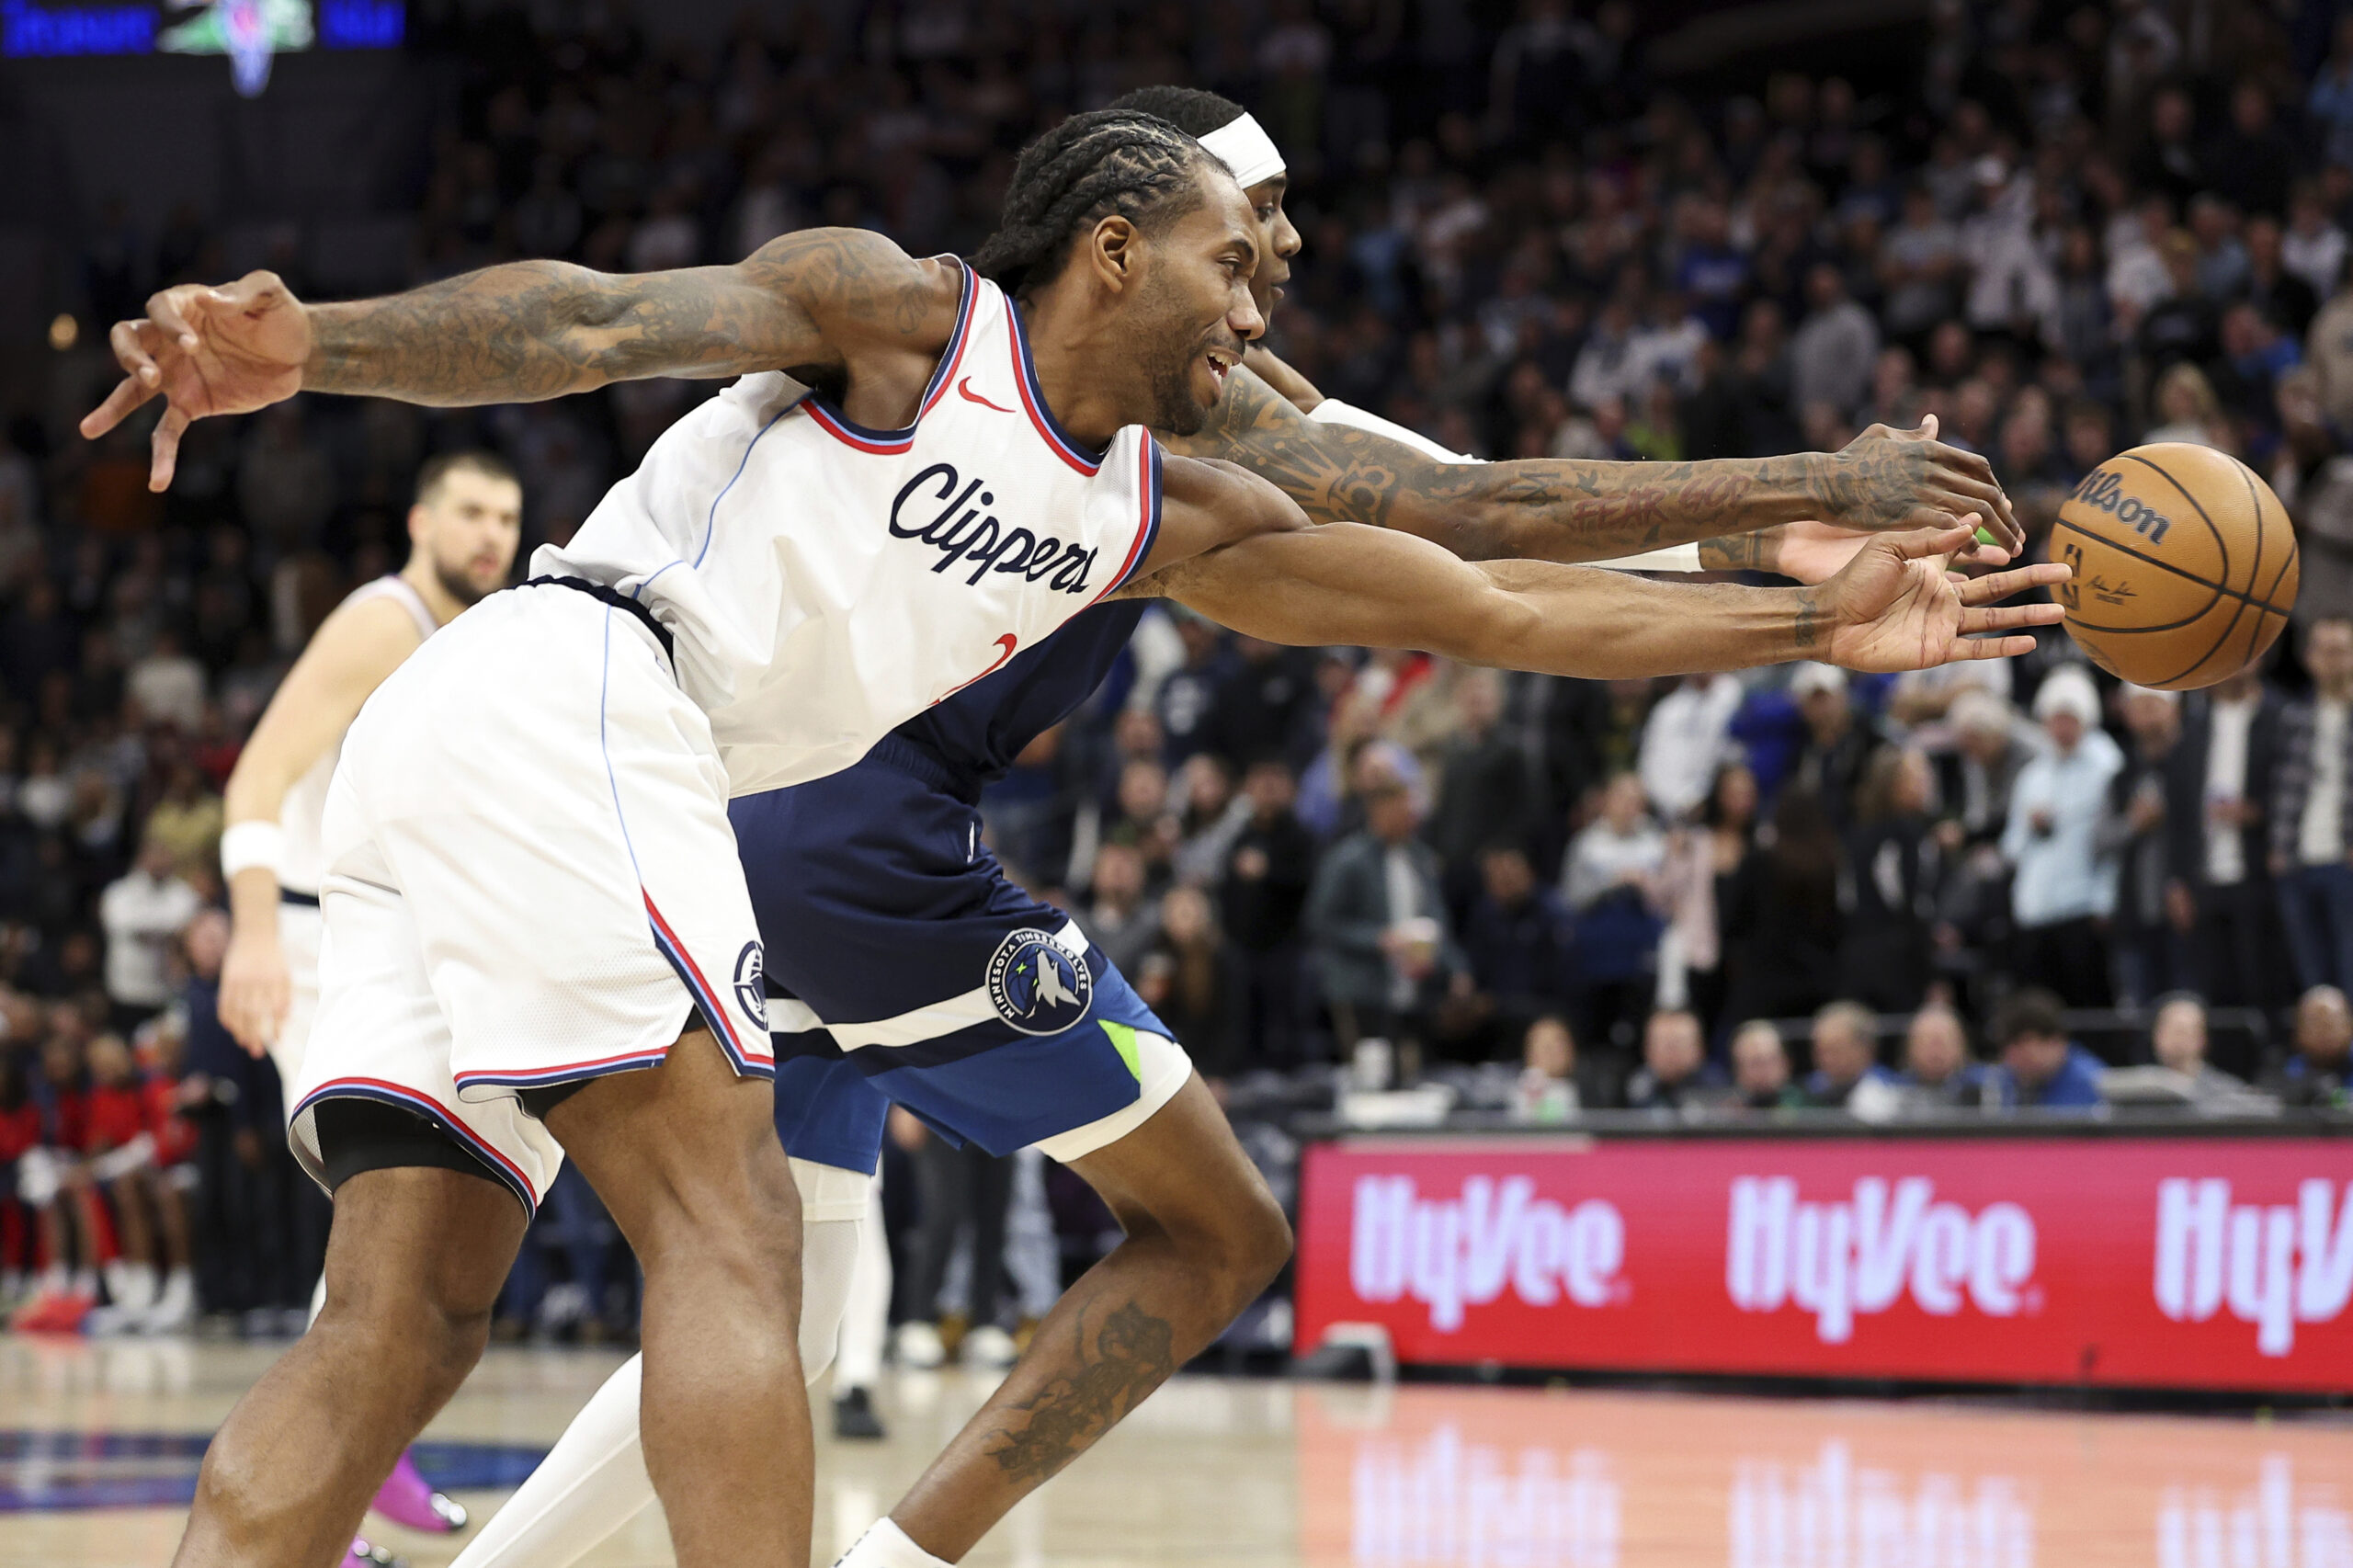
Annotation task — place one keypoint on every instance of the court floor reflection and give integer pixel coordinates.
(1486, 1479)
(97, 1443)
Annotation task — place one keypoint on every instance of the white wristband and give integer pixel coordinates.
(245, 845)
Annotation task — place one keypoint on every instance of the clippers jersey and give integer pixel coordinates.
(825, 581)
(302, 861)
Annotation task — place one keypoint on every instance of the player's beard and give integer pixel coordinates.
(1174, 343)
(460, 587)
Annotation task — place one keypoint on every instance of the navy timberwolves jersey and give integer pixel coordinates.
(975, 735)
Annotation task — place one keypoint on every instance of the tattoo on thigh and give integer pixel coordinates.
(1133, 1355)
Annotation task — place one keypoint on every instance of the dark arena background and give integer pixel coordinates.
(1790, 1119)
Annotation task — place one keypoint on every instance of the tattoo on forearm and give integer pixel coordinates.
(1133, 1355)
(539, 329)
(1807, 624)
(1555, 509)
(1750, 551)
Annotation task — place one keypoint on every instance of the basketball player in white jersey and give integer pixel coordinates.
(531, 880)
(1181, 1172)
(463, 528)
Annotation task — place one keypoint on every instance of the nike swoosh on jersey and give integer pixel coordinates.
(964, 390)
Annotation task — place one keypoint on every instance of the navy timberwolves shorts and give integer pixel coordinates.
(903, 965)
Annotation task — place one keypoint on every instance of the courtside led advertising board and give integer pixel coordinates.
(2197, 1262)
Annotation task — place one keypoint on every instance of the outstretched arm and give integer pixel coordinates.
(1570, 510)
(526, 331)
(1894, 608)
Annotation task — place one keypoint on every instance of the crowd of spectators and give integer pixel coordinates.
(2060, 229)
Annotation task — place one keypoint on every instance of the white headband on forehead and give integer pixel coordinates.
(1246, 149)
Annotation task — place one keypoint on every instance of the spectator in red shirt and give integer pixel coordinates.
(123, 1169)
(46, 1176)
(20, 1134)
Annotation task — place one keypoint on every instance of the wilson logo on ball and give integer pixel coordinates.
(2104, 488)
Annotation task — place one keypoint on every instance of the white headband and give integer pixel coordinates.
(1246, 148)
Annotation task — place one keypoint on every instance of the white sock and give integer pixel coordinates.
(885, 1545)
(593, 1482)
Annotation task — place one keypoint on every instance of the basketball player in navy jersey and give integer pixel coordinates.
(488, 868)
(904, 963)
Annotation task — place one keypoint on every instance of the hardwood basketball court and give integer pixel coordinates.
(99, 1441)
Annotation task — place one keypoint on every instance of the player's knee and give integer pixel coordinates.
(1237, 1247)
(432, 1332)
(1262, 1243)
(738, 1214)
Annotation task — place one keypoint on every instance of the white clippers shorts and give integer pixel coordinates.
(530, 882)
(299, 929)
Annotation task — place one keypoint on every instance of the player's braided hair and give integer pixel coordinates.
(1196, 111)
(1079, 173)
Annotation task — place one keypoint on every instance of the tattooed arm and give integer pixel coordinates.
(1573, 511)
(1894, 608)
(530, 330)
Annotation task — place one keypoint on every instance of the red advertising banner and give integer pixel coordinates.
(2192, 1262)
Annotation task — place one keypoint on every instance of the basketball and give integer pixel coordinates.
(2185, 565)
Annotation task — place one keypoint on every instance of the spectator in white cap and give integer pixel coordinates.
(2063, 892)
(2152, 829)
(1839, 742)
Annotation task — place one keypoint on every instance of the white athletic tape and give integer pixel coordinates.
(1244, 147)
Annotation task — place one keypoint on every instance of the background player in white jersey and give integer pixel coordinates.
(463, 528)
(1180, 1177)
(485, 885)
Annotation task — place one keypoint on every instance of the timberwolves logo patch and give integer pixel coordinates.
(751, 993)
(1037, 988)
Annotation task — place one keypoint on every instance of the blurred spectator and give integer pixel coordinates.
(1684, 741)
(1517, 941)
(2229, 746)
(1779, 914)
(1262, 896)
(1937, 1071)
(1612, 878)
(1121, 917)
(2038, 1067)
(1486, 787)
(2311, 804)
(1831, 353)
(2152, 830)
(1210, 815)
(2178, 1040)
(2318, 1070)
(167, 685)
(1701, 861)
(1760, 1068)
(1846, 1075)
(1379, 925)
(1184, 979)
(2187, 409)
(1839, 742)
(1554, 1083)
(1676, 1073)
(1892, 884)
(143, 913)
(2064, 886)
(962, 1195)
